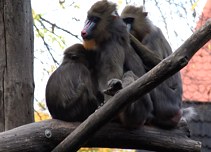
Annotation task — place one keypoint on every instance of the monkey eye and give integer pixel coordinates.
(74, 57)
(94, 19)
(128, 20)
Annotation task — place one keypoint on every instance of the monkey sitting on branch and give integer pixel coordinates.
(71, 93)
(167, 97)
(106, 34)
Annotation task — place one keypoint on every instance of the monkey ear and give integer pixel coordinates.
(115, 14)
(142, 8)
(145, 14)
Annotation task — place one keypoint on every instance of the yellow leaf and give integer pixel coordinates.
(119, 2)
(52, 69)
(77, 5)
(209, 46)
(38, 116)
(194, 5)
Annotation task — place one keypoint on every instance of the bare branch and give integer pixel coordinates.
(162, 16)
(52, 24)
(46, 44)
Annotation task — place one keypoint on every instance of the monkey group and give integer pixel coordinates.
(106, 61)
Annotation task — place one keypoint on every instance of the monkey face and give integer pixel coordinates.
(89, 27)
(88, 32)
(98, 25)
(128, 21)
(136, 20)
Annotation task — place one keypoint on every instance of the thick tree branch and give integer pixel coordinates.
(43, 136)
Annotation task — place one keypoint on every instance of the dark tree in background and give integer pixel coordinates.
(16, 64)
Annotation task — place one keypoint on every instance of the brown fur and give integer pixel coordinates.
(70, 92)
(105, 29)
(89, 44)
(111, 39)
(115, 57)
(141, 23)
(167, 97)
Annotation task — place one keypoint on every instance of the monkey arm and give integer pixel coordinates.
(149, 57)
(110, 63)
(156, 42)
(114, 85)
(135, 114)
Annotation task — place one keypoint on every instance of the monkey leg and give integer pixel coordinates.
(167, 122)
(136, 114)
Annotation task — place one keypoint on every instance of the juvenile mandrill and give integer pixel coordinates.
(71, 94)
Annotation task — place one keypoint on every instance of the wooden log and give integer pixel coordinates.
(147, 82)
(43, 136)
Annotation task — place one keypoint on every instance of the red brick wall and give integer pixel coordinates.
(196, 75)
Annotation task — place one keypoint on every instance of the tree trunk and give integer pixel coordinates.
(16, 63)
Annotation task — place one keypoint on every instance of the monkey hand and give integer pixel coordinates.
(114, 85)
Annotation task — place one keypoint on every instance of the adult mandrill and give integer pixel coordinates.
(71, 94)
(167, 97)
(106, 34)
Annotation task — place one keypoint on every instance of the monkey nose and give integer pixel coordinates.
(83, 33)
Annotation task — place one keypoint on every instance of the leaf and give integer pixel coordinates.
(38, 116)
(194, 5)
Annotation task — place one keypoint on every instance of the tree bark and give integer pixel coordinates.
(16, 63)
(46, 134)
(147, 82)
